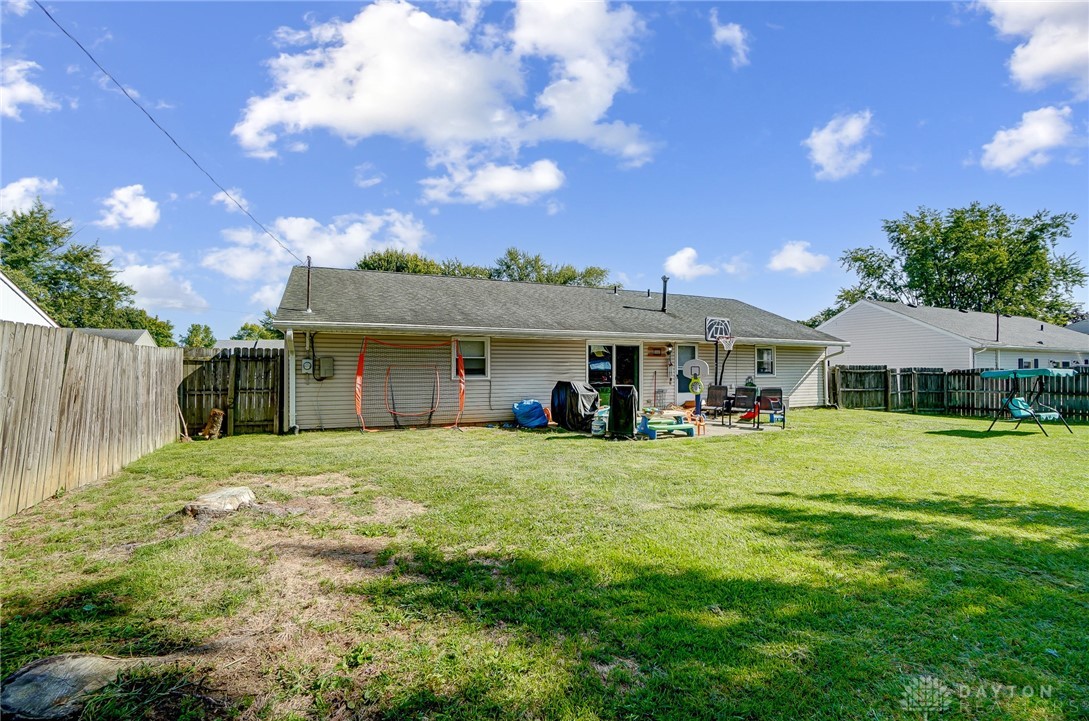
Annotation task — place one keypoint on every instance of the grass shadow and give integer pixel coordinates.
(966, 433)
(933, 594)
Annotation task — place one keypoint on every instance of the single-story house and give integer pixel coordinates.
(17, 307)
(134, 336)
(907, 336)
(516, 340)
(269, 344)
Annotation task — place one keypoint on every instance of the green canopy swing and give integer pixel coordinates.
(1022, 409)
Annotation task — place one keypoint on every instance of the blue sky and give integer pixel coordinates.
(740, 148)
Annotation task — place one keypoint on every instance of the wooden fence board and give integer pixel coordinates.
(245, 383)
(75, 408)
(958, 392)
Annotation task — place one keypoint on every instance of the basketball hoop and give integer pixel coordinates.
(727, 342)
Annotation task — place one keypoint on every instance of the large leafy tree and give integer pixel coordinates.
(198, 336)
(262, 330)
(514, 264)
(976, 258)
(71, 282)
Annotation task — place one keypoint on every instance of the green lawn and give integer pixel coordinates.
(805, 574)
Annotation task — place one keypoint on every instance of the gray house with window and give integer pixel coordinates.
(516, 341)
(905, 336)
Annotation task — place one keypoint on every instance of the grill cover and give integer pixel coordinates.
(623, 410)
(573, 405)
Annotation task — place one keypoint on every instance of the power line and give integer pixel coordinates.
(164, 131)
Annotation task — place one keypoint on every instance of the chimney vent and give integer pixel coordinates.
(665, 282)
(308, 285)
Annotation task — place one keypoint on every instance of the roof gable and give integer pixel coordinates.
(982, 328)
(349, 299)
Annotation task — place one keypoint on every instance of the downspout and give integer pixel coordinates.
(289, 342)
(827, 368)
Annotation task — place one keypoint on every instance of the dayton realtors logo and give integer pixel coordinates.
(926, 695)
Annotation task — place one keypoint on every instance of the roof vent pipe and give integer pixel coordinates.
(665, 282)
(308, 285)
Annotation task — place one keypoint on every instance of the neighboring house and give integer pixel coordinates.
(904, 336)
(1081, 326)
(268, 344)
(135, 336)
(17, 307)
(519, 339)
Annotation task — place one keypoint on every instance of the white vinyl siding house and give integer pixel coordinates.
(901, 336)
(17, 307)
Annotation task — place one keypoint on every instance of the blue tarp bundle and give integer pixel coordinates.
(530, 414)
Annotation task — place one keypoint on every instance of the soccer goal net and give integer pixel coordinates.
(409, 384)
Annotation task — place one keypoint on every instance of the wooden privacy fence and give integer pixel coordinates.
(959, 392)
(245, 383)
(75, 408)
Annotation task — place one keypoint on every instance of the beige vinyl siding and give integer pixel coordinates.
(529, 368)
(881, 337)
(520, 368)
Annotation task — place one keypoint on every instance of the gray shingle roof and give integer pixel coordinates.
(357, 298)
(1013, 331)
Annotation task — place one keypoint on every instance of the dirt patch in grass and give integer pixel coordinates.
(392, 510)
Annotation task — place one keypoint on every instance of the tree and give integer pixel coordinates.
(271, 332)
(198, 336)
(258, 331)
(398, 261)
(514, 264)
(976, 258)
(70, 281)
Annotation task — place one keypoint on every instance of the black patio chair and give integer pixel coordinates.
(745, 402)
(717, 402)
(774, 403)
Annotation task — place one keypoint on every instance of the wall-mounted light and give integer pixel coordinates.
(669, 349)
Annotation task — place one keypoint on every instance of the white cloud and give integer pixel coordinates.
(795, 256)
(110, 86)
(732, 36)
(737, 265)
(366, 176)
(683, 265)
(1026, 146)
(222, 198)
(157, 284)
(1057, 44)
(457, 87)
(16, 7)
(269, 295)
(489, 184)
(129, 207)
(837, 149)
(16, 90)
(19, 195)
(251, 255)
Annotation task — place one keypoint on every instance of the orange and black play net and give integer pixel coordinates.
(409, 384)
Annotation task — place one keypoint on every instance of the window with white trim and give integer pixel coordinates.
(475, 354)
(765, 361)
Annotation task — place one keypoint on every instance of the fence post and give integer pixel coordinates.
(888, 388)
(232, 389)
(839, 382)
(914, 391)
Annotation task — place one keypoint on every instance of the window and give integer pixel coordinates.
(1022, 363)
(474, 355)
(765, 361)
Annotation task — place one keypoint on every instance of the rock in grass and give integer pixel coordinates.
(221, 502)
(55, 687)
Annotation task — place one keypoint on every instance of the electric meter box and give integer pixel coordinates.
(307, 365)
